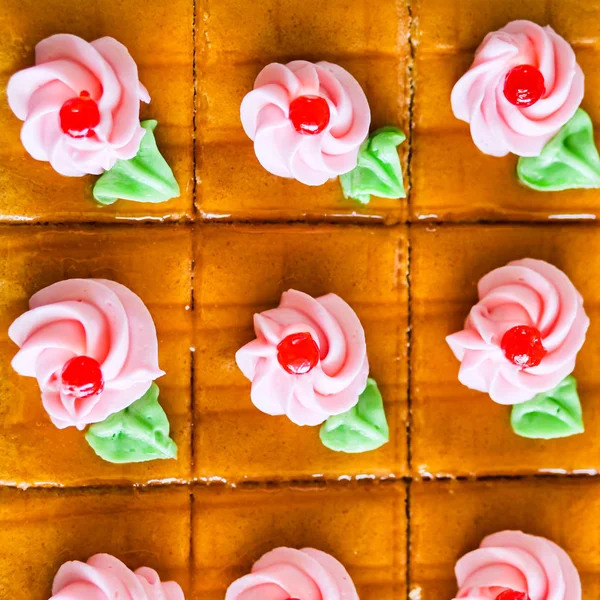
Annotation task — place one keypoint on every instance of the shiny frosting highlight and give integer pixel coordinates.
(512, 560)
(281, 150)
(284, 573)
(336, 382)
(87, 317)
(66, 65)
(524, 292)
(497, 126)
(104, 577)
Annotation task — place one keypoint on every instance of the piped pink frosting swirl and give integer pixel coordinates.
(285, 573)
(525, 292)
(497, 126)
(512, 560)
(280, 149)
(97, 318)
(104, 577)
(334, 384)
(65, 66)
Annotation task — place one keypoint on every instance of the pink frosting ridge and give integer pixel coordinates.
(336, 382)
(280, 149)
(65, 66)
(525, 292)
(497, 126)
(285, 573)
(104, 577)
(97, 318)
(512, 560)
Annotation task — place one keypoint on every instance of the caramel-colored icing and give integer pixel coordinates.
(156, 264)
(458, 431)
(243, 270)
(41, 529)
(32, 191)
(449, 519)
(451, 179)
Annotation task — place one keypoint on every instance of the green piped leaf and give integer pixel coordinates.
(378, 171)
(569, 160)
(144, 178)
(361, 429)
(136, 434)
(552, 414)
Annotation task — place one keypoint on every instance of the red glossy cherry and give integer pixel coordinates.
(79, 116)
(522, 345)
(82, 377)
(309, 114)
(298, 353)
(512, 595)
(524, 85)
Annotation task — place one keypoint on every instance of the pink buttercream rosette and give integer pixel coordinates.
(104, 577)
(335, 383)
(288, 573)
(499, 127)
(512, 560)
(67, 65)
(97, 318)
(280, 149)
(525, 292)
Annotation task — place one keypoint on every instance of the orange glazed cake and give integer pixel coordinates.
(300, 300)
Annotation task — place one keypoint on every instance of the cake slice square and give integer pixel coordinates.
(446, 166)
(40, 529)
(362, 526)
(371, 45)
(450, 518)
(241, 270)
(458, 431)
(159, 37)
(155, 263)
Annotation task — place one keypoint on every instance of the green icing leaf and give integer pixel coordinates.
(552, 414)
(145, 178)
(136, 434)
(362, 428)
(378, 171)
(569, 160)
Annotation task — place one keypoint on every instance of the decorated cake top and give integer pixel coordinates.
(287, 573)
(80, 105)
(512, 565)
(92, 346)
(104, 577)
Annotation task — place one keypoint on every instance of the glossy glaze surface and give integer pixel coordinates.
(446, 167)
(41, 529)
(243, 270)
(33, 450)
(457, 431)
(363, 526)
(372, 45)
(32, 191)
(449, 519)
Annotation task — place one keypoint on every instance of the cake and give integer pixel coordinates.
(258, 488)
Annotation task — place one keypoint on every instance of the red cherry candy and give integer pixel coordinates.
(512, 595)
(298, 353)
(522, 345)
(79, 116)
(82, 377)
(524, 85)
(309, 114)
